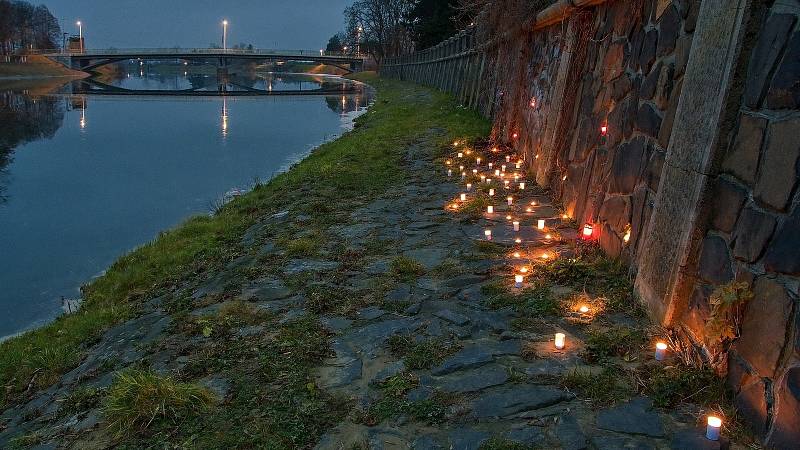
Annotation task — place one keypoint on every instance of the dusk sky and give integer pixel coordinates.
(290, 24)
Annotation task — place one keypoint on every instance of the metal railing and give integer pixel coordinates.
(197, 51)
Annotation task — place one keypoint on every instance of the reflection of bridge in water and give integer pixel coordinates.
(224, 88)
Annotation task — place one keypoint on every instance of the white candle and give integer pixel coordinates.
(508, 217)
(463, 197)
(519, 163)
(510, 200)
(661, 351)
(560, 338)
(460, 155)
(474, 171)
(517, 255)
(463, 175)
(540, 224)
(449, 173)
(503, 167)
(469, 186)
(516, 225)
(460, 167)
(477, 161)
(505, 184)
(491, 192)
(490, 209)
(488, 180)
(522, 186)
(518, 279)
(488, 234)
(497, 172)
(490, 165)
(483, 178)
(583, 309)
(712, 430)
(516, 177)
(518, 240)
(508, 158)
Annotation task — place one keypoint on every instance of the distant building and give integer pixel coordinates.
(75, 44)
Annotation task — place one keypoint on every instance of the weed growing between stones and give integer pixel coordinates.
(405, 268)
(140, 399)
(420, 354)
(605, 388)
(394, 402)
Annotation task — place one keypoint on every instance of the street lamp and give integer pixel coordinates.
(80, 34)
(358, 40)
(224, 35)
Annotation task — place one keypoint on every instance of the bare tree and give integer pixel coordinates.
(24, 26)
(380, 27)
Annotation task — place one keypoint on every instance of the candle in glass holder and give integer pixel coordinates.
(463, 175)
(510, 200)
(508, 217)
(517, 255)
(448, 162)
(483, 178)
(503, 168)
(587, 231)
(712, 430)
(460, 167)
(583, 309)
(491, 192)
(460, 155)
(505, 184)
(518, 279)
(463, 197)
(490, 166)
(488, 180)
(661, 351)
(449, 173)
(477, 161)
(528, 210)
(508, 158)
(548, 236)
(518, 241)
(469, 186)
(488, 234)
(522, 186)
(516, 225)
(474, 171)
(560, 340)
(523, 270)
(540, 224)
(497, 172)
(519, 164)
(490, 209)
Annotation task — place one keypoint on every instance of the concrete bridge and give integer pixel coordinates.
(89, 60)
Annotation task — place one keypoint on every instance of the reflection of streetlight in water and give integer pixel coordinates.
(83, 113)
(224, 117)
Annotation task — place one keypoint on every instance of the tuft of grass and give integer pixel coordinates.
(671, 385)
(536, 301)
(81, 399)
(393, 403)
(305, 246)
(609, 386)
(497, 443)
(406, 268)
(474, 207)
(139, 399)
(422, 354)
(490, 248)
(616, 341)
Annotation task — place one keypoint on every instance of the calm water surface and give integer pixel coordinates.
(86, 178)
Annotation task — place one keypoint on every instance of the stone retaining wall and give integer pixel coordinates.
(694, 181)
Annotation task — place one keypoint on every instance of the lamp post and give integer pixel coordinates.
(224, 35)
(80, 34)
(358, 40)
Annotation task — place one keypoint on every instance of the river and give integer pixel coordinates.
(91, 171)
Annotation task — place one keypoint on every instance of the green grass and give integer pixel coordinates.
(616, 341)
(139, 399)
(405, 268)
(536, 301)
(420, 354)
(674, 384)
(607, 387)
(393, 403)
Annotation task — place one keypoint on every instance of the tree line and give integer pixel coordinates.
(387, 28)
(25, 26)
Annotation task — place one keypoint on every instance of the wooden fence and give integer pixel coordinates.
(456, 65)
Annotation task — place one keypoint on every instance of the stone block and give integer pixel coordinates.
(641, 208)
(620, 87)
(612, 62)
(649, 83)
(742, 158)
(664, 86)
(630, 159)
(691, 16)
(715, 261)
(784, 91)
(739, 373)
(753, 231)
(648, 121)
(727, 201)
(698, 309)
(654, 167)
(616, 212)
(610, 242)
(782, 254)
(647, 54)
(764, 326)
(682, 49)
(665, 131)
(786, 421)
(751, 403)
(668, 27)
(778, 174)
(771, 41)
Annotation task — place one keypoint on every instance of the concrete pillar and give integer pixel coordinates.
(668, 258)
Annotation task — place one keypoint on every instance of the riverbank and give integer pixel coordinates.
(37, 67)
(347, 303)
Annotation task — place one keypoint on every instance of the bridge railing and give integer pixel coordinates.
(199, 51)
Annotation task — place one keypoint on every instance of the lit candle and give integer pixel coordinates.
(514, 136)
(488, 234)
(603, 130)
(519, 164)
(533, 203)
(510, 200)
(560, 338)
(523, 269)
(661, 351)
(518, 281)
(522, 186)
(491, 192)
(587, 231)
(494, 149)
(503, 168)
(490, 165)
(478, 161)
(583, 309)
(517, 255)
(463, 197)
(460, 167)
(497, 172)
(712, 430)
(508, 158)
(537, 156)
(483, 178)
(565, 216)
(518, 241)
(516, 226)
(460, 155)
(540, 224)
(516, 177)
(548, 236)
(448, 162)
(449, 173)
(508, 217)
(469, 186)
(474, 171)
(505, 184)
(528, 210)
(488, 180)
(490, 209)
(463, 175)
(545, 256)
(454, 206)
(627, 236)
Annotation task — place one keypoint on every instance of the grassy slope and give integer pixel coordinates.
(38, 66)
(359, 165)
